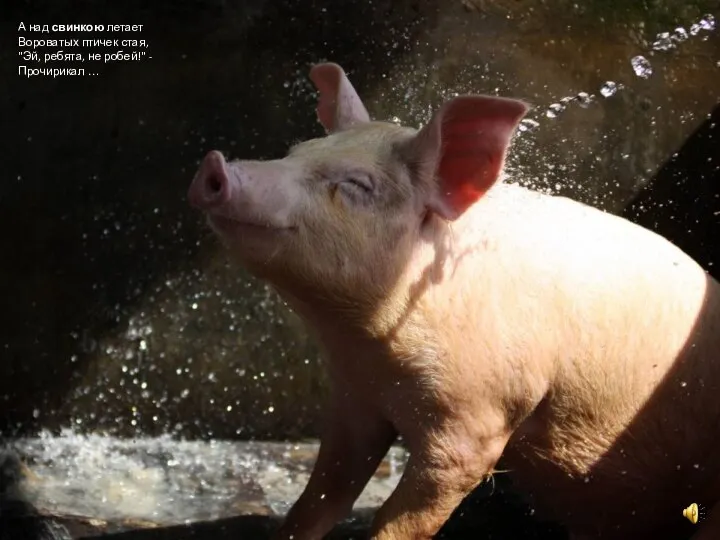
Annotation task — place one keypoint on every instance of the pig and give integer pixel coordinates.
(479, 320)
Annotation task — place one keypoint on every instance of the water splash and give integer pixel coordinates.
(663, 42)
(420, 114)
(555, 109)
(528, 125)
(641, 66)
(679, 35)
(168, 481)
(707, 23)
(610, 88)
(584, 99)
(666, 41)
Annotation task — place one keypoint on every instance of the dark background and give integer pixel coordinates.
(120, 312)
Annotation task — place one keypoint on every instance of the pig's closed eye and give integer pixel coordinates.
(355, 188)
(359, 182)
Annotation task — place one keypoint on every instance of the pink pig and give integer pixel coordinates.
(479, 319)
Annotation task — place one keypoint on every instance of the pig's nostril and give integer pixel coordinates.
(211, 186)
(215, 185)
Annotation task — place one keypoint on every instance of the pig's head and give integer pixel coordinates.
(340, 215)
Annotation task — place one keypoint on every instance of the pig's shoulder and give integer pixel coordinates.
(548, 212)
(533, 221)
(507, 192)
(519, 203)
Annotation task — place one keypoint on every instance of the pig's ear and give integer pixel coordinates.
(339, 105)
(463, 149)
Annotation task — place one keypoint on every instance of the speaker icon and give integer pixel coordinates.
(694, 513)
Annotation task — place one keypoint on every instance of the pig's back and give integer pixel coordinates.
(631, 326)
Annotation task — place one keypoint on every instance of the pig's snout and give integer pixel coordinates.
(211, 186)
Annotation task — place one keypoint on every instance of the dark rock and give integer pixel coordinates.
(19, 520)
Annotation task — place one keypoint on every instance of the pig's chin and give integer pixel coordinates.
(238, 232)
(224, 224)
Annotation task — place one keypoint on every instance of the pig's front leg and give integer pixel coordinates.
(356, 439)
(444, 468)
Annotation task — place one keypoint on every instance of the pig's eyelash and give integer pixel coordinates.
(353, 185)
(358, 189)
(363, 182)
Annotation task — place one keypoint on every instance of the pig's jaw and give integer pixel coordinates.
(228, 226)
(252, 241)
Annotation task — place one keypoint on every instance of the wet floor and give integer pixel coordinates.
(85, 486)
(166, 482)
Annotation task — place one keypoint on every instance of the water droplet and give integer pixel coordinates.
(641, 67)
(584, 99)
(683, 384)
(707, 22)
(554, 110)
(680, 34)
(663, 42)
(609, 88)
(528, 124)
(695, 29)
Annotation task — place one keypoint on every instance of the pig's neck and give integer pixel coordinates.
(330, 317)
(386, 317)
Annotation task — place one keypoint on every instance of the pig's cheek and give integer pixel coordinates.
(282, 202)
